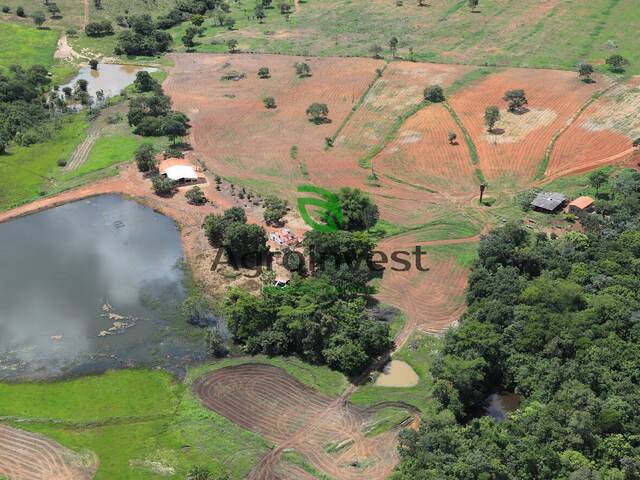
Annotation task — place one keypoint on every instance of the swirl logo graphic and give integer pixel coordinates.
(328, 208)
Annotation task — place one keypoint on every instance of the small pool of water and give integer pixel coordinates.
(110, 78)
(499, 404)
(92, 285)
(397, 374)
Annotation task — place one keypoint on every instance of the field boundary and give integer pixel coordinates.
(473, 151)
(359, 104)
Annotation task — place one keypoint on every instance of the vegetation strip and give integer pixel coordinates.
(473, 152)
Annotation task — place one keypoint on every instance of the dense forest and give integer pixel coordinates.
(557, 320)
(23, 110)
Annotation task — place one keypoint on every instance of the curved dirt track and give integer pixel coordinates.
(266, 400)
(28, 456)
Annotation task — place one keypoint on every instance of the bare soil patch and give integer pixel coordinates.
(28, 456)
(266, 400)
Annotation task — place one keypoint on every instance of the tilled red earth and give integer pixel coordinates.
(266, 400)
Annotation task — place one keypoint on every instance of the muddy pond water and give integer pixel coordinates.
(110, 78)
(92, 285)
(500, 403)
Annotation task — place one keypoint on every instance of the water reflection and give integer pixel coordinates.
(87, 284)
(500, 403)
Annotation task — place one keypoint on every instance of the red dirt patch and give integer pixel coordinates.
(266, 400)
(602, 134)
(560, 92)
(28, 456)
(422, 154)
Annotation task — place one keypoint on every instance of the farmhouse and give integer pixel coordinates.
(548, 201)
(581, 204)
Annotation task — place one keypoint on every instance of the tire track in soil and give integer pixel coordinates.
(82, 151)
(29, 456)
(266, 400)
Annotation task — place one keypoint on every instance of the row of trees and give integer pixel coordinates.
(142, 37)
(555, 320)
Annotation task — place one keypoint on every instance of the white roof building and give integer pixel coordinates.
(180, 173)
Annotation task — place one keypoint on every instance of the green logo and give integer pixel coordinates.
(329, 208)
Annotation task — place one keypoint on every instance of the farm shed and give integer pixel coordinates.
(181, 173)
(548, 201)
(581, 204)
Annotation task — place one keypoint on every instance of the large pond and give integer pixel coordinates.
(110, 78)
(92, 285)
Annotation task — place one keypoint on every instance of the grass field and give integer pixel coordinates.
(25, 45)
(140, 422)
(27, 170)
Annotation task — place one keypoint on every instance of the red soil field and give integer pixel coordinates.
(431, 300)
(421, 154)
(237, 137)
(554, 96)
(28, 456)
(602, 134)
(266, 400)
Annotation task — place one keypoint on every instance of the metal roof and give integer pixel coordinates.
(548, 200)
(181, 172)
(582, 202)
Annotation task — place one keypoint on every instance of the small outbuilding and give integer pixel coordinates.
(548, 202)
(181, 174)
(581, 204)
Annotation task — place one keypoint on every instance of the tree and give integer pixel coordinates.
(285, 8)
(598, 178)
(302, 69)
(473, 4)
(145, 157)
(214, 226)
(98, 29)
(235, 215)
(144, 82)
(274, 210)
(434, 93)
(259, 12)
(82, 85)
(197, 19)
(97, 4)
(229, 22)
(216, 347)
(162, 185)
(636, 143)
(452, 137)
(189, 35)
(517, 100)
(263, 72)
(376, 51)
(358, 210)
(585, 70)
(174, 126)
(232, 45)
(54, 10)
(617, 63)
(393, 46)
(20, 12)
(318, 113)
(245, 243)
(195, 196)
(93, 63)
(269, 102)
(38, 18)
(491, 117)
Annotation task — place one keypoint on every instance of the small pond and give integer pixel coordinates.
(397, 373)
(500, 403)
(110, 78)
(92, 285)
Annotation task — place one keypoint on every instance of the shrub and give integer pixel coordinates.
(275, 210)
(163, 186)
(5, 9)
(263, 72)
(269, 102)
(99, 29)
(20, 12)
(195, 196)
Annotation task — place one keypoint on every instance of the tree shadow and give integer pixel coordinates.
(520, 111)
(496, 131)
(320, 121)
(588, 80)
